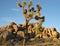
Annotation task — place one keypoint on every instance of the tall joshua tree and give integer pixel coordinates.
(29, 14)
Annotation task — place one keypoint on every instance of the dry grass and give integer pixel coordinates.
(38, 42)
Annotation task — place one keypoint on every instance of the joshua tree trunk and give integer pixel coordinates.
(24, 42)
(25, 39)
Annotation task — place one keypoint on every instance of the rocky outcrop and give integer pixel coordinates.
(12, 31)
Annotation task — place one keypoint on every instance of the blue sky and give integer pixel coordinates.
(9, 12)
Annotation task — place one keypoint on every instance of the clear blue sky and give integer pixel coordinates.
(9, 12)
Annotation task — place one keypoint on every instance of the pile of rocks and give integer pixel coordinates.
(17, 32)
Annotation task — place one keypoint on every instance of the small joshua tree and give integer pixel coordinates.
(29, 14)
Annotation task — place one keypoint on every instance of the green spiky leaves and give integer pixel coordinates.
(18, 4)
(30, 4)
(39, 7)
(23, 4)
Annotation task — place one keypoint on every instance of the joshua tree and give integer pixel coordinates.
(29, 14)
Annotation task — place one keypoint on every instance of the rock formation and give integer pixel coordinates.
(34, 31)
